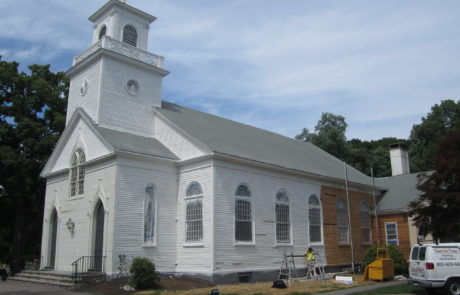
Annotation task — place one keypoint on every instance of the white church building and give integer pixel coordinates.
(135, 175)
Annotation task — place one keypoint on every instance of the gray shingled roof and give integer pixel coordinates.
(127, 142)
(244, 141)
(402, 189)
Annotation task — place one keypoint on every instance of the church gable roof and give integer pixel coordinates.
(101, 142)
(236, 139)
(402, 189)
(126, 142)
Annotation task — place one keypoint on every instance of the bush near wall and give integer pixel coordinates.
(400, 264)
(143, 274)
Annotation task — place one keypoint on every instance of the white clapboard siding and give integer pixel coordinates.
(175, 141)
(88, 102)
(122, 111)
(99, 183)
(265, 254)
(82, 137)
(193, 258)
(133, 177)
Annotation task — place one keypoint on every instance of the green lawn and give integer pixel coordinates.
(407, 289)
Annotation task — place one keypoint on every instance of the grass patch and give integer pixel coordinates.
(299, 293)
(395, 290)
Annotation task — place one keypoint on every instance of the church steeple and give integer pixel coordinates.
(122, 22)
(116, 80)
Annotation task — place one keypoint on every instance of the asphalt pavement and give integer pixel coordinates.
(23, 288)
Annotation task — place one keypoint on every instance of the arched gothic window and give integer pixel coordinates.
(149, 215)
(130, 35)
(102, 32)
(77, 173)
(314, 219)
(283, 224)
(365, 219)
(243, 214)
(342, 221)
(194, 213)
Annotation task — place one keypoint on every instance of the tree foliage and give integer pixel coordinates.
(143, 274)
(32, 117)
(425, 137)
(330, 136)
(436, 211)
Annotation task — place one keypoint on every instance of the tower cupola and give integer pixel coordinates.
(123, 23)
(116, 81)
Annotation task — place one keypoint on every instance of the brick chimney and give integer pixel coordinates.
(399, 159)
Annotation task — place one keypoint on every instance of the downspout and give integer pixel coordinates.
(349, 220)
(375, 208)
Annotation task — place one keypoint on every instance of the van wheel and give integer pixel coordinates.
(453, 287)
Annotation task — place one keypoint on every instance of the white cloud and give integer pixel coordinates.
(376, 63)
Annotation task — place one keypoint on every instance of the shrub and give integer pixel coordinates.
(399, 262)
(143, 274)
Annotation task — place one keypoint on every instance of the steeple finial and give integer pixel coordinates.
(122, 1)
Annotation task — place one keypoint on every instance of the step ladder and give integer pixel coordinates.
(288, 271)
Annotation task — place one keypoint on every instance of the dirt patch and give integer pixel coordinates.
(192, 286)
(116, 287)
(265, 288)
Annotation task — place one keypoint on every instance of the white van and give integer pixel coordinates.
(436, 266)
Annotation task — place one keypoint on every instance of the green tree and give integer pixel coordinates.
(330, 136)
(442, 120)
(32, 117)
(435, 212)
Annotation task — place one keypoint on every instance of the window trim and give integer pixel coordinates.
(187, 199)
(395, 223)
(368, 211)
(289, 243)
(320, 207)
(136, 35)
(102, 32)
(347, 225)
(155, 218)
(250, 199)
(79, 166)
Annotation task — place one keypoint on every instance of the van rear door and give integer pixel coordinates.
(417, 263)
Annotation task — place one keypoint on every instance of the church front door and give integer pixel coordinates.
(99, 237)
(53, 239)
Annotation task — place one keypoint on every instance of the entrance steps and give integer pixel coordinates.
(56, 278)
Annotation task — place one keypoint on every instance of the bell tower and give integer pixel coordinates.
(116, 80)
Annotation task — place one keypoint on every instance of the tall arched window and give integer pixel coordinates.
(77, 173)
(149, 215)
(194, 213)
(283, 224)
(365, 219)
(314, 219)
(243, 214)
(342, 221)
(130, 35)
(102, 32)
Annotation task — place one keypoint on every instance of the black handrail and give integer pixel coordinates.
(87, 264)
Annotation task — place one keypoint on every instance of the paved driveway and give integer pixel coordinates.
(21, 288)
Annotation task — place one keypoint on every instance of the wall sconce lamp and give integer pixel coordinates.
(70, 225)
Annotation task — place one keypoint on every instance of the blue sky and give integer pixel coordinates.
(274, 64)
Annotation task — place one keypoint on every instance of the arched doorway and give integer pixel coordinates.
(98, 236)
(53, 227)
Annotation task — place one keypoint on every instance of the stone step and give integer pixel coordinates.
(42, 281)
(46, 277)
